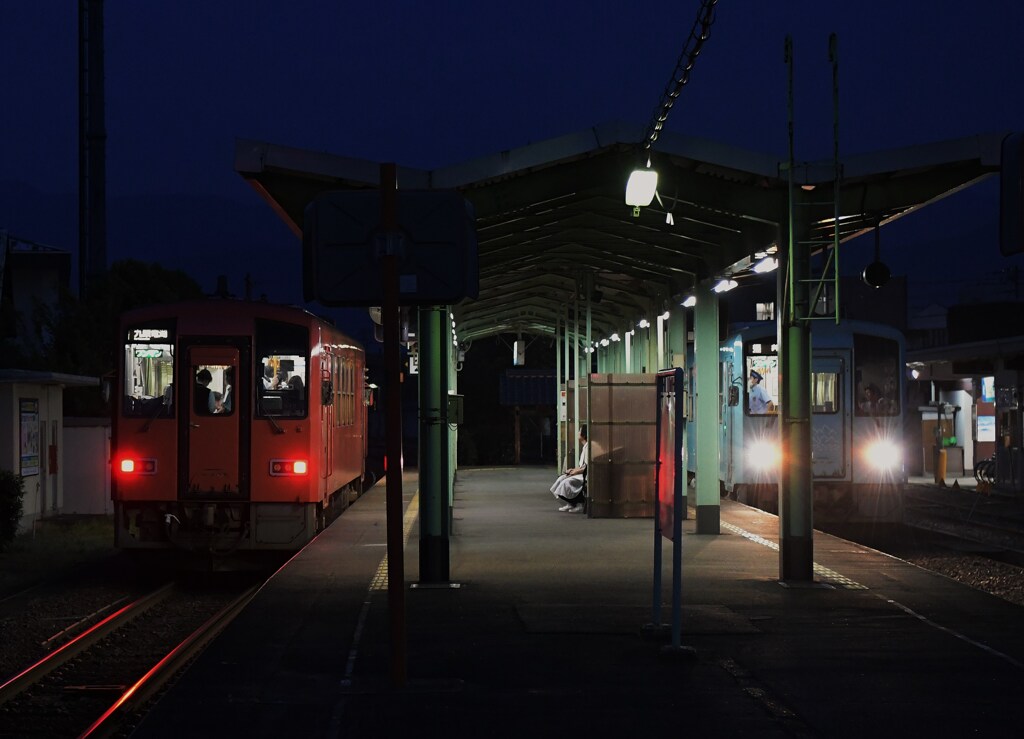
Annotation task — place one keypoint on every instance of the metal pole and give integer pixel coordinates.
(392, 363)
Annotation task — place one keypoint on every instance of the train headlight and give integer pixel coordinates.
(883, 455)
(764, 455)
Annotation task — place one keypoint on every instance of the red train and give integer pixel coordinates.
(237, 426)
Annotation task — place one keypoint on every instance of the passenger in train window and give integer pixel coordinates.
(296, 393)
(206, 401)
(271, 381)
(569, 487)
(874, 403)
(760, 401)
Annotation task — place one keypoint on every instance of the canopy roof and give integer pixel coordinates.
(551, 211)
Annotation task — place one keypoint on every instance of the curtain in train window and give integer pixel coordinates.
(148, 372)
(825, 392)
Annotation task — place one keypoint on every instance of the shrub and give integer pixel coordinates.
(12, 490)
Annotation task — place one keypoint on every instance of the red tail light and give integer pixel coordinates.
(289, 467)
(132, 466)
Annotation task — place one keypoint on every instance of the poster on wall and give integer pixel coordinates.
(29, 437)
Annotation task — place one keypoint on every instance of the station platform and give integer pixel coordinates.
(545, 630)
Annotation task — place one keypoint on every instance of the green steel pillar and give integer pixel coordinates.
(709, 498)
(453, 429)
(796, 525)
(434, 345)
(796, 501)
(677, 337)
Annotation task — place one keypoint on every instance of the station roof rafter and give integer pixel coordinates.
(550, 212)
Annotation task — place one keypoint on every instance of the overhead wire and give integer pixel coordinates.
(699, 33)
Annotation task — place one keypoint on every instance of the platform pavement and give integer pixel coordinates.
(544, 636)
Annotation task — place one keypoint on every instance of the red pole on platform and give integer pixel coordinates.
(392, 368)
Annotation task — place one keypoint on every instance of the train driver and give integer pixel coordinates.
(760, 401)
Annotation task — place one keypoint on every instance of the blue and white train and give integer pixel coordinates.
(857, 403)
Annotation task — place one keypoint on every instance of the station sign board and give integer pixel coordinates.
(344, 241)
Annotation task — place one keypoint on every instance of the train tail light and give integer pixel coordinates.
(137, 466)
(289, 467)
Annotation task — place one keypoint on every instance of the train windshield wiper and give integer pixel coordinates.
(271, 418)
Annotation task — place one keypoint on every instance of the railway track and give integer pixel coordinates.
(97, 682)
(968, 522)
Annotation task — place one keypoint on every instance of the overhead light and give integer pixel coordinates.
(724, 285)
(690, 301)
(644, 323)
(605, 342)
(768, 264)
(615, 337)
(664, 316)
(808, 188)
(669, 220)
(640, 187)
(631, 332)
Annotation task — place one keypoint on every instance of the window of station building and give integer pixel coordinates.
(148, 372)
(877, 379)
(282, 369)
(765, 311)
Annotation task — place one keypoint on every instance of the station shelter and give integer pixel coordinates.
(623, 289)
(32, 440)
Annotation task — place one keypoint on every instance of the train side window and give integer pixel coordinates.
(148, 373)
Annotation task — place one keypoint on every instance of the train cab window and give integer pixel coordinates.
(761, 379)
(282, 370)
(148, 373)
(876, 372)
(824, 392)
(214, 391)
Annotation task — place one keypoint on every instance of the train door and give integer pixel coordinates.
(328, 400)
(214, 457)
(831, 421)
(730, 415)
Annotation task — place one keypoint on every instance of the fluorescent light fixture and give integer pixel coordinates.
(691, 300)
(669, 220)
(644, 323)
(640, 187)
(768, 264)
(724, 285)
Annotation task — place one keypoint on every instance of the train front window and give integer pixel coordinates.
(761, 377)
(876, 371)
(148, 372)
(282, 370)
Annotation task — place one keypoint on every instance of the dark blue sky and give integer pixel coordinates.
(431, 84)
